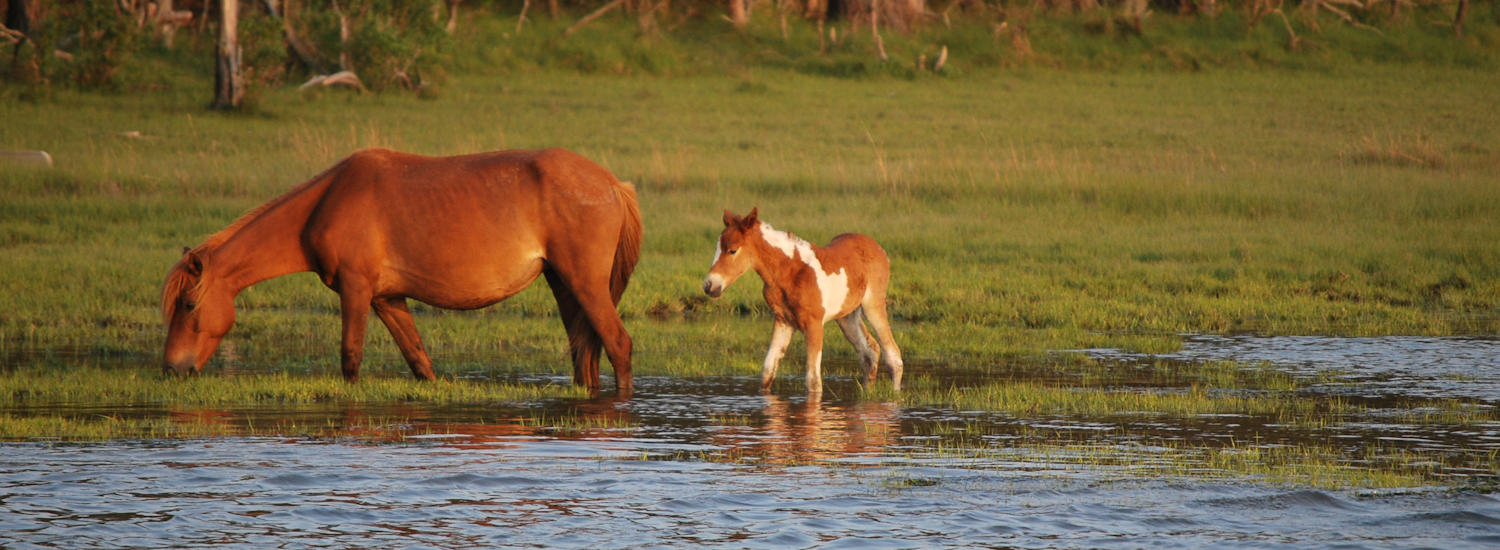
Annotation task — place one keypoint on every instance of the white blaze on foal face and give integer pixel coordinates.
(834, 287)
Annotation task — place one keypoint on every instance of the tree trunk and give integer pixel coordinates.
(229, 84)
(1458, 19)
(738, 14)
(295, 46)
(17, 19)
(453, 15)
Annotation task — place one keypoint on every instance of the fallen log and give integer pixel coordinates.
(344, 78)
(33, 158)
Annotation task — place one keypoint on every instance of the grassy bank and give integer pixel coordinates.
(1023, 212)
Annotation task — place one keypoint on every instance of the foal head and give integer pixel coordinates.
(198, 315)
(734, 255)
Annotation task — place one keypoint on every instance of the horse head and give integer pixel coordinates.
(197, 314)
(734, 255)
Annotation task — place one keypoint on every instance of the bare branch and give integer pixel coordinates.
(592, 16)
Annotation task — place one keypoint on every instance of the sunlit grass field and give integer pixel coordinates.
(1024, 211)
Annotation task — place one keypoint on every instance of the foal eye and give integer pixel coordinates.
(733, 252)
(189, 306)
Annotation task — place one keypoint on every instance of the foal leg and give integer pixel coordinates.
(781, 335)
(814, 334)
(869, 355)
(397, 319)
(875, 310)
(583, 342)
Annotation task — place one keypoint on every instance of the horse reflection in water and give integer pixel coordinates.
(800, 431)
(593, 419)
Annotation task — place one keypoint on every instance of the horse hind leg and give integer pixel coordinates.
(398, 321)
(583, 342)
(875, 311)
(869, 352)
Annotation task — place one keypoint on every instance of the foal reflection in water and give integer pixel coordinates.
(807, 286)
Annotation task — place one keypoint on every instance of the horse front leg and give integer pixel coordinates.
(781, 336)
(356, 310)
(398, 321)
(814, 334)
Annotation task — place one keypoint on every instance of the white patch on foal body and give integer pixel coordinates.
(833, 287)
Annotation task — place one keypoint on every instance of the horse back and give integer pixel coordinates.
(503, 190)
(478, 224)
(857, 252)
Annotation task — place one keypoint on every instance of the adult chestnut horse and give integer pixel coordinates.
(807, 286)
(455, 232)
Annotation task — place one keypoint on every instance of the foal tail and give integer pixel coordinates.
(628, 251)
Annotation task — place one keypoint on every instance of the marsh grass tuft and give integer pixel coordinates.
(1417, 152)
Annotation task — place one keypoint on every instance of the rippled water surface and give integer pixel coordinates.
(713, 463)
(1380, 366)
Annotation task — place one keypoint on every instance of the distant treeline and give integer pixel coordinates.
(413, 44)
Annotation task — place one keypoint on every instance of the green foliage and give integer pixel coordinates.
(95, 45)
(392, 44)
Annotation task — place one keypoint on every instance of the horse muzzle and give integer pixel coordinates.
(713, 286)
(178, 369)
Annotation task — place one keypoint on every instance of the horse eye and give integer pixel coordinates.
(189, 305)
(733, 252)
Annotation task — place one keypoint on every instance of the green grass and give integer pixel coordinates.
(1026, 399)
(1204, 179)
(1023, 213)
(50, 386)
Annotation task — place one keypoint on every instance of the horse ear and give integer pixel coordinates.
(751, 218)
(729, 218)
(194, 264)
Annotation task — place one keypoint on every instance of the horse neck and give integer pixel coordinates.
(772, 263)
(266, 245)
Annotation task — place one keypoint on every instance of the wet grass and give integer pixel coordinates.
(51, 387)
(1026, 399)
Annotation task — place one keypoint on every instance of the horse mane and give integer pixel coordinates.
(213, 241)
(785, 241)
(180, 281)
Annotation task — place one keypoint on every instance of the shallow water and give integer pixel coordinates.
(1467, 368)
(269, 493)
(712, 462)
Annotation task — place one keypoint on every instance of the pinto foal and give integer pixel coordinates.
(807, 286)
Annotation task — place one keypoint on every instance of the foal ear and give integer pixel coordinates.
(729, 218)
(750, 218)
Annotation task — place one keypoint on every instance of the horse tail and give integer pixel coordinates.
(628, 251)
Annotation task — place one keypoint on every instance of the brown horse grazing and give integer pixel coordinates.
(807, 286)
(456, 232)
